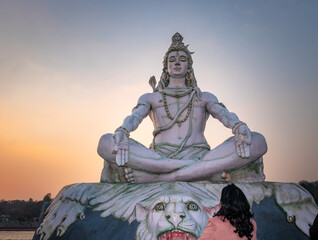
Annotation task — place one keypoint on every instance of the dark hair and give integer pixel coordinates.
(236, 209)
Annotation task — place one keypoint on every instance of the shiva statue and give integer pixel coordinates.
(181, 176)
(179, 150)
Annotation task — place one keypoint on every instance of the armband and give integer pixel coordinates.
(121, 129)
(237, 125)
(222, 105)
(138, 105)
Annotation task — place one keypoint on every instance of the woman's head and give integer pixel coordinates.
(236, 209)
(233, 199)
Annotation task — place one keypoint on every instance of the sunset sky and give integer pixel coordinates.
(71, 71)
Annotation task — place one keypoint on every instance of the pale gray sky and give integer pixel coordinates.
(70, 71)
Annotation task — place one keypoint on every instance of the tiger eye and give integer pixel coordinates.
(192, 206)
(159, 207)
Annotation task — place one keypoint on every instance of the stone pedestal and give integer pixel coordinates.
(112, 211)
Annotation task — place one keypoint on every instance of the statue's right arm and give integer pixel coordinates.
(139, 112)
(120, 142)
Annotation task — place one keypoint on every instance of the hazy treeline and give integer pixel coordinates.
(20, 210)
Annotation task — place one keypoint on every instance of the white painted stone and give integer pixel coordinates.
(136, 201)
(179, 111)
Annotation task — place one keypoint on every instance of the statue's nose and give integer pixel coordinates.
(175, 218)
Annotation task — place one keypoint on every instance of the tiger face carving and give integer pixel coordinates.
(173, 217)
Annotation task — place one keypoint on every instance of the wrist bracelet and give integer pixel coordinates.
(237, 125)
(121, 129)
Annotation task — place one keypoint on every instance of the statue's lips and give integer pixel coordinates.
(177, 235)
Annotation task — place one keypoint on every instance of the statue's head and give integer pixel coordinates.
(177, 47)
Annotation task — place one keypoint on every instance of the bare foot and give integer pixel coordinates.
(129, 175)
(226, 176)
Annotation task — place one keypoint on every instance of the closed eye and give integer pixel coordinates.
(183, 59)
(172, 59)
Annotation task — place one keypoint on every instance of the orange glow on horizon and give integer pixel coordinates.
(68, 77)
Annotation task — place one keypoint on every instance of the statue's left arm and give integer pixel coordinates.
(230, 120)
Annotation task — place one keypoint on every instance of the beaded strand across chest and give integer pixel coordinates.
(169, 114)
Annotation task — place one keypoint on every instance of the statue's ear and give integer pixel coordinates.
(141, 212)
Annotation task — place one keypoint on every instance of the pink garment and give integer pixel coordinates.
(216, 229)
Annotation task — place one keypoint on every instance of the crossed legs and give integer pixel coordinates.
(145, 165)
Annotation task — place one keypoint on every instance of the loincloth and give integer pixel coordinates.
(194, 152)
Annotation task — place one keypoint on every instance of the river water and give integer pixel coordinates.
(16, 235)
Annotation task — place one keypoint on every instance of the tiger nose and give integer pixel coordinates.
(175, 218)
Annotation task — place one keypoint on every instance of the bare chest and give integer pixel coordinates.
(165, 108)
